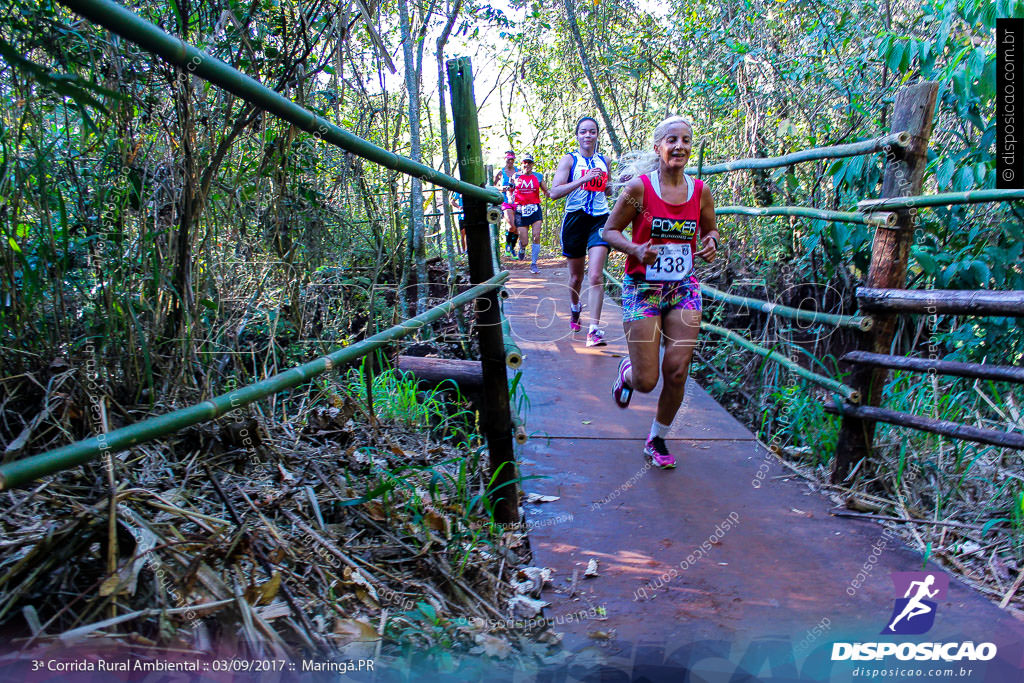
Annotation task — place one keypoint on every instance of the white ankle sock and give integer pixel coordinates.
(658, 429)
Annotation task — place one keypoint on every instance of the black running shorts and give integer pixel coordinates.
(526, 221)
(581, 232)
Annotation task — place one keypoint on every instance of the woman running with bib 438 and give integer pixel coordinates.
(583, 176)
(673, 218)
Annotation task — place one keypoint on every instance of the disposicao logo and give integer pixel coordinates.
(914, 611)
(916, 603)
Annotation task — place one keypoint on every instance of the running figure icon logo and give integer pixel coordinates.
(916, 602)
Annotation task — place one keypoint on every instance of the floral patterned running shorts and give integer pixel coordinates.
(642, 299)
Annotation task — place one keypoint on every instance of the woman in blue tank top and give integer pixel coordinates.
(582, 175)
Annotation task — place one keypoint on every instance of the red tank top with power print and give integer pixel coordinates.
(527, 189)
(675, 226)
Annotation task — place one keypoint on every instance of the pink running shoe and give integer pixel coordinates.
(657, 451)
(621, 391)
(574, 322)
(596, 338)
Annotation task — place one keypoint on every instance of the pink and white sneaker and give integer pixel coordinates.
(657, 451)
(621, 391)
(596, 338)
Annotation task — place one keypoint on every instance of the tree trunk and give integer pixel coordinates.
(446, 163)
(417, 249)
(913, 110)
(575, 29)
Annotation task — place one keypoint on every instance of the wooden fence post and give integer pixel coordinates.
(495, 413)
(913, 111)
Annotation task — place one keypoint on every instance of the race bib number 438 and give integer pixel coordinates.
(674, 263)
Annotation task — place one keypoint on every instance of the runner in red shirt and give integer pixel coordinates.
(673, 218)
(503, 179)
(528, 186)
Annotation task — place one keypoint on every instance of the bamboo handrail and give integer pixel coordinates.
(942, 301)
(932, 425)
(997, 373)
(173, 50)
(941, 199)
(859, 322)
(834, 385)
(900, 139)
(22, 471)
(883, 219)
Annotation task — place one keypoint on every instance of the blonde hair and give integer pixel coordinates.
(636, 163)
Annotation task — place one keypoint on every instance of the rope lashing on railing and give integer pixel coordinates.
(941, 199)
(27, 469)
(860, 322)
(852, 149)
(834, 385)
(130, 26)
(883, 219)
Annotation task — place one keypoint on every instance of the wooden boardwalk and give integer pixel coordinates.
(724, 566)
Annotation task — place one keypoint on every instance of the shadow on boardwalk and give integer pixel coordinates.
(722, 566)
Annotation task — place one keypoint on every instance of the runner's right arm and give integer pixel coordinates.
(560, 183)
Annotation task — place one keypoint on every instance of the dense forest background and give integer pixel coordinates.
(164, 242)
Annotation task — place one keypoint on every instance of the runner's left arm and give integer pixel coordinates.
(709, 236)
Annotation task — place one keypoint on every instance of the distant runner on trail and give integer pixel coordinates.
(528, 186)
(673, 218)
(503, 179)
(455, 200)
(583, 176)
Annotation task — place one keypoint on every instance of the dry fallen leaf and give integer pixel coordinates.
(530, 580)
(527, 608)
(355, 577)
(274, 610)
(493, 647)
(438, 523)
(591, 568)
(352, 630)
(375, 510)
(538, 498)
(269, 589)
